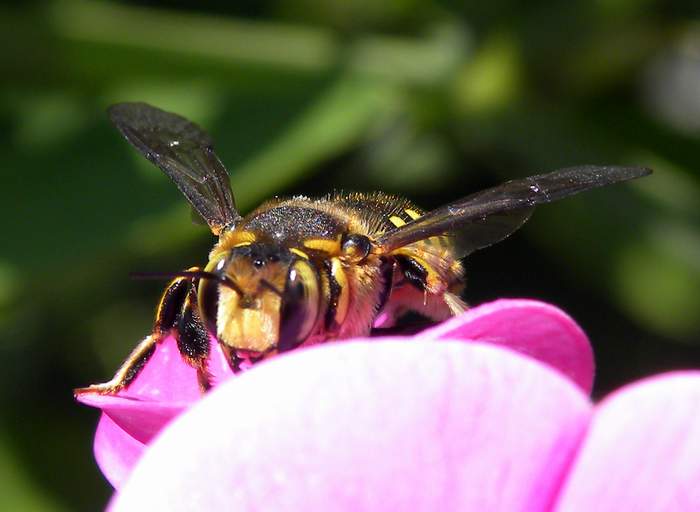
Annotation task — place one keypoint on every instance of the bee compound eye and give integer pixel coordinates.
(208, 295)
(208, 302)
(356, 246)
(300, 305)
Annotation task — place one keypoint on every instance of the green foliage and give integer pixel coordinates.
(429, 99)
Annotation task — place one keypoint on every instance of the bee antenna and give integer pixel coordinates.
(189, 274)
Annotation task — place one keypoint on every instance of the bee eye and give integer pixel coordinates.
(208, 297)
(356, 246)
(300, 305)
(208, 301)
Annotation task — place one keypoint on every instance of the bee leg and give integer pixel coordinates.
(128, 370)
(167, 317)
(193, 338)
(412, 307)
(234, 361)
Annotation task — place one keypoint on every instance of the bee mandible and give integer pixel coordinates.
(300, 271)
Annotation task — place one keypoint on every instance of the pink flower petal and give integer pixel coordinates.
(167, 378)
(167, 385)
(141, 419)
(381, 425)
(642, 451)
(530, 327)
(132, 417)
(116, 451)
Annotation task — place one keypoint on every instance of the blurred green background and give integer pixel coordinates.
(430, 99)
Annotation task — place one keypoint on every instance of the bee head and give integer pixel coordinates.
(267, 298)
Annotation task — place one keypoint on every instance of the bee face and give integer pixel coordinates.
(266, 298)
(303, 270)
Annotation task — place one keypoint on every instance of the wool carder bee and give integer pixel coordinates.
(300, 271)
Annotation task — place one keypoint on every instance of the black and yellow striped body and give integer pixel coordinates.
(352, 289)
(300, 271)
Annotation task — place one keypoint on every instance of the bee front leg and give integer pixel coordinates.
(173, 304)
(128, 370)
(193, 338)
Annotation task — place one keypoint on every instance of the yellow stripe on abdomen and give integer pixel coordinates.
(397, 221)
(412, 213)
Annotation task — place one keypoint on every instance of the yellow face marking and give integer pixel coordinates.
(323, 244)
(252, 328)
(230, 239)
(412, 213)
(299, 253)
(397, 221)
(341, 310)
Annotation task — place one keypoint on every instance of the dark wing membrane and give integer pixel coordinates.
(184, 152)
(487, 217)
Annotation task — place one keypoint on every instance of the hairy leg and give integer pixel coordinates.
(193, 339)
(176, 314)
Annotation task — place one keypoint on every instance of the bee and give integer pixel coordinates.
(300, 271)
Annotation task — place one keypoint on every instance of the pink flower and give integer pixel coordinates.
(166, 386)
(132, 417)
(386, 424)
(424, 426)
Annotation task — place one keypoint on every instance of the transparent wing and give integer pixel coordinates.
(184, 152)
(487, 217)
